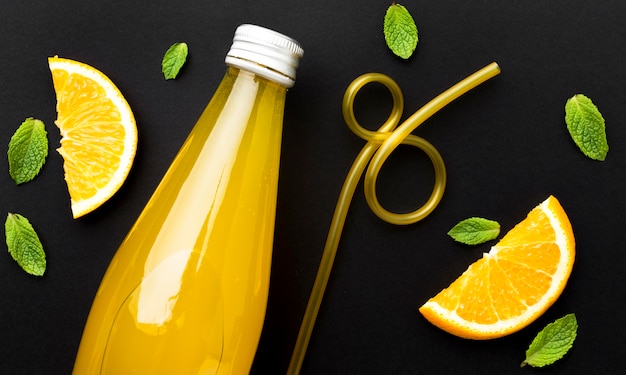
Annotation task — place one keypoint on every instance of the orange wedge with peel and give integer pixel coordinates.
(99, 133)
(513, 284)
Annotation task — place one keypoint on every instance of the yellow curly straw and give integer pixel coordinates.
(380, 144)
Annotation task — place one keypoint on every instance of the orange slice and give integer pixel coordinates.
(513, 284)
(99, 134)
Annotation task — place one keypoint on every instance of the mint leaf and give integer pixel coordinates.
(400, 31)
(28, 150)
(475, 230)
(586, 126)
(174, 59)
(552, 343)
(24, 245)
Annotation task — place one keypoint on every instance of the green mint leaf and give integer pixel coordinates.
(475, 230)
(586, 126)
(24, 245)
(552, 343)
(28, 150)
(400, 31)
(174, 59)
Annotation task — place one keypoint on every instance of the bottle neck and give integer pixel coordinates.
(260, 70)
(237, 73)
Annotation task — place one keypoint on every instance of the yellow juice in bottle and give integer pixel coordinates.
(187, 290)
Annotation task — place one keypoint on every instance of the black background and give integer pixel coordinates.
(505, 145)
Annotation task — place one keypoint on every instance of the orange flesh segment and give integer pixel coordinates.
(98, 130)
(512, 285)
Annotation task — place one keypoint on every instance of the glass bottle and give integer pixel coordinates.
(187, 290)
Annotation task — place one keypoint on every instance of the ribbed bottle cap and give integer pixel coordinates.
(265, 52)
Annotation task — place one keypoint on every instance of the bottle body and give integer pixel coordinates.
(187, 290)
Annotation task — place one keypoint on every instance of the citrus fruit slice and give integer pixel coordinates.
(513, 284)
(99, 134)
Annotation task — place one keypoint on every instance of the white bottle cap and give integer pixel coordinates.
(266, 53)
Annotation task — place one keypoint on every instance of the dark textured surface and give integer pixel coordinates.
(505, 145)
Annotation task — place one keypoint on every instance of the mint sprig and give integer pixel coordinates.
(475, 230)
(552, 343)
(174, 59)
(28, 150)
(586, 126)
(400, 31)
(24, 244)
